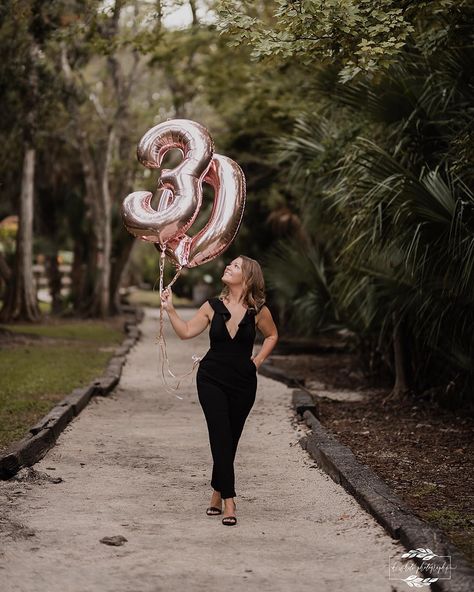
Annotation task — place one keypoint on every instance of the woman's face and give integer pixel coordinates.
(232, 275)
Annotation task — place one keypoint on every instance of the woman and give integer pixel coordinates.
(227, 375)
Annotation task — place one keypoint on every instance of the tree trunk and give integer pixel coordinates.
(122, 242)
(20, 298)
(103, 235)
(5, 271)
(402, 367)
(54, 277)
(119, 269)
(107, 227)
(100, 300)
(78, 273)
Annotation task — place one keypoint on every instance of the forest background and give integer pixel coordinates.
(352, 120)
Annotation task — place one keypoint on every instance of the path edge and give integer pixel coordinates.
(375, 496)
(42, 436)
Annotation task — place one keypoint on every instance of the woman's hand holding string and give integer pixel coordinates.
(167, 300)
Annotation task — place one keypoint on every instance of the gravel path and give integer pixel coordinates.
(138, 464)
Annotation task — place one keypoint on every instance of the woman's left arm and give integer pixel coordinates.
(269, 330)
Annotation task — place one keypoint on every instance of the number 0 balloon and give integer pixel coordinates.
(228, 181)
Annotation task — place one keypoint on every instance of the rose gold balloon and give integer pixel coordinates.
(228, 181)
(182, 195)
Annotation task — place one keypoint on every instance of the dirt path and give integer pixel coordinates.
(138, 464)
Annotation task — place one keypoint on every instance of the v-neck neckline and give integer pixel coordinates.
(238, 326)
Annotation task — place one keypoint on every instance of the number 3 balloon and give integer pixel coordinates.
(181, 198)
(183, 184)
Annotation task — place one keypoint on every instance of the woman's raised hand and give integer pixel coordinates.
(167, 299)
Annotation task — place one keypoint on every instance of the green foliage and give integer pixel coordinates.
(297, 275)
(7, 239)
(410, 246)
(361, 36)
(380, 173)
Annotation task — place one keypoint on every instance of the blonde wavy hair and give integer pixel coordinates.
(253, 293)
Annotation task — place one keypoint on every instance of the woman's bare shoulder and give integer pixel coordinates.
(207, 308)
(263, 312)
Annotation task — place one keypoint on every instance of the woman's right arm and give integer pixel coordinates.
(186, 329)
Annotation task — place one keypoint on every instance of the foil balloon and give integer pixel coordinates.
(182, 186)
(179, 205)
(228, 182)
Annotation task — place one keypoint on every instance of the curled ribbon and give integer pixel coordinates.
(161, 336)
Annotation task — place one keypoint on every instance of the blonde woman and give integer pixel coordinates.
(227, 375)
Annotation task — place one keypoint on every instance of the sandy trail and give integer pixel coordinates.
(138, 464)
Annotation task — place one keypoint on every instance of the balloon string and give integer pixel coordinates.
(161, 336)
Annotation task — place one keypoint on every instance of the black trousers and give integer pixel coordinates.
(225, 408)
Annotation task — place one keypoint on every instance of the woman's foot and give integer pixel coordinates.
(229, 518)
(216, 504)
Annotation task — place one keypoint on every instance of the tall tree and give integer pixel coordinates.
(26, 30)
(97, 154)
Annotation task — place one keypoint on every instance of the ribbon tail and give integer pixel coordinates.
(163, 354)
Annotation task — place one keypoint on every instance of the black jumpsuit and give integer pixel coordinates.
(227, 384)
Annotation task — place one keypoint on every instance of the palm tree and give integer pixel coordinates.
(392, 215)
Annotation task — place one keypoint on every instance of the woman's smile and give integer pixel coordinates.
(233, 269)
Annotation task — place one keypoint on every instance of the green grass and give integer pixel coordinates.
(100, 332)
(45, 307)
(152, 298)
(34, 377)
(448, 518)
(425, 489)
(457, 525)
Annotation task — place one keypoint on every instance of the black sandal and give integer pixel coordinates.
(213, 511)
(233, 518)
